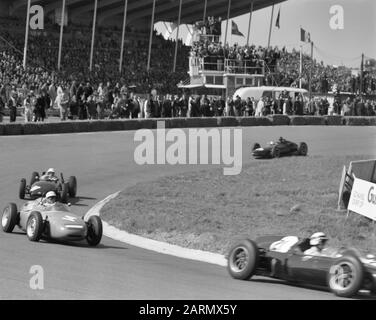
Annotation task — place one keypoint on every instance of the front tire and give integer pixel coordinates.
(72, 183)
(22, 190)
(34, 226)
(9, 218)
(345, 276)
(95, 231)
(243, 260)
(303, 149)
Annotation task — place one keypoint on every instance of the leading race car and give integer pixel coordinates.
(344, 271)
(56, 221)
(41, 184)
(278, 149)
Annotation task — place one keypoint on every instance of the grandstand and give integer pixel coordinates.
(207, 68)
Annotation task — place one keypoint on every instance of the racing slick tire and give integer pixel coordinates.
(72, 186)
(22, 190)
(9, 218)
(95, 231)
(63, 193)
(256, 146)
(345, 276)
(303, 149)
(275, 153)
(34, 226)
(34, 177)
(243, 260)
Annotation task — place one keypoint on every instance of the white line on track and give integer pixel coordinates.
(150, 244)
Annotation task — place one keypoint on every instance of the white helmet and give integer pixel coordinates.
(317, 238)
(50, 194)
(50, 170)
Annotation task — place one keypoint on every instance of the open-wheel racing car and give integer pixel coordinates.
(278, 149)
(55, 222)
(38, 187)
(344, 271)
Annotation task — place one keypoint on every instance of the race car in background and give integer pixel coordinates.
(344, 271)
(278, 149)
(55, 222)
(38, 188)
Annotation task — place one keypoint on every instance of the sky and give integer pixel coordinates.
(334, 47)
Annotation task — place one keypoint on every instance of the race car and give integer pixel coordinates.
(56, 222)
(278, 149)
(344, 271)
(39, 186)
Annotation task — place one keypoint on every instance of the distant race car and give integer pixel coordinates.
(38, 188)
(278, 149)
(344, 271)
(56, 222)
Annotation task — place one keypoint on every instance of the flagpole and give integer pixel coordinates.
(151, 35)
(228, 17)
(177, 36)
(61, 35)
(249, 25)
(301, 67)
(93, 35)
(310, 73)
(270, 28)
(205, 6)
(26, 34)
(123, 36)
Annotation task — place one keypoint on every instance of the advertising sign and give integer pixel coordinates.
(363, 198)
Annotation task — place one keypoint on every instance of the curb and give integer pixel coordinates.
(150, 244)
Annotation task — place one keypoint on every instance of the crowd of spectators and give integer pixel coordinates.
(80, 94)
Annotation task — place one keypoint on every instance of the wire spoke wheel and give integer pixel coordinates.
(342, 276)
(239, 259)
(31, 227)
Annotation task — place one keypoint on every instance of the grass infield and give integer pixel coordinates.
(209, 211)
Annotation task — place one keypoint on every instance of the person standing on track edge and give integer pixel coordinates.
(12, 105)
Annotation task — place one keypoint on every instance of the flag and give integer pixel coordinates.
(305, 36)
(278, 18)
(235, 29)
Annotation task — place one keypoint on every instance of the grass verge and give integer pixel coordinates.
(208, 211)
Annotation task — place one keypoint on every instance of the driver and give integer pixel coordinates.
(317, 242)
(50, 175)
(50, 198)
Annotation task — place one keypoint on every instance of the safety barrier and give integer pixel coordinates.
(135, 124)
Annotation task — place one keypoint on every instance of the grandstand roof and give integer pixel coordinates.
(166, 10)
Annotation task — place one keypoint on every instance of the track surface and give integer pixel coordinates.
(103, 164)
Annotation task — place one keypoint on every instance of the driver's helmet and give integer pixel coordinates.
(318, 238)
(50, 197)
(50, 172)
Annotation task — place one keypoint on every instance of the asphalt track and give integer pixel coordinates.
(103, 164)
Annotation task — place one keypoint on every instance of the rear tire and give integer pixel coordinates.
(22, 190)
(95, 231)
(275, 153)
(72, 183)
(64, 193)
(34, 177)
(9, 218)
(345, 276)
(303, 149)
(256, 146)
(34, 226)
(243, 260)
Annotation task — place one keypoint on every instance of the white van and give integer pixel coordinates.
(265, 91)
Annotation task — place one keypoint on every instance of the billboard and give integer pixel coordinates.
(363, 198)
